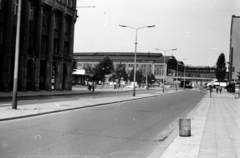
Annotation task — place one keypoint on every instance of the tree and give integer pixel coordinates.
(220, 70)
(151, 78)
(119, 73)
(139, 76)
(104, 67)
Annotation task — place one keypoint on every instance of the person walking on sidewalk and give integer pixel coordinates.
(93, 86)
(210, 90)
(220, 89)
(217, 89)
(89, 85)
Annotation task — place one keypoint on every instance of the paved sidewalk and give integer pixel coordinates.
(34, 109)
(215, 131)
(78, 89)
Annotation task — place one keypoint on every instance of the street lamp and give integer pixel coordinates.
(164, 62)
(16, 62)
(135, 56)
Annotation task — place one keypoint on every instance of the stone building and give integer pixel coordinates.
(147, 62)
(46, 44)
(234, 55)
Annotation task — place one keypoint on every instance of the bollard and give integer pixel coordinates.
(184, 127)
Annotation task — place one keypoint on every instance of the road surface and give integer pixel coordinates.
(130, 129)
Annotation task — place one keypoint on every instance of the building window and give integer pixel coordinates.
(44, 17)
(66, 23)
(31, 40)
(66, 49)
(55, 46)
(1, 35)
(44, 44)
(15, 7)
(56, 21)
(69, 3)
(31, 11)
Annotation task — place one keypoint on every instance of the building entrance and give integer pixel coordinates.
(42, 79)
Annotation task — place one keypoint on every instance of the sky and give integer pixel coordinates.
(199, 29)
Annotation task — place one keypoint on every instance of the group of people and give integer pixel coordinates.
(91, 86)
(218, 88)
(116, 85)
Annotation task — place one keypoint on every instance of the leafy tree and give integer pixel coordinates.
(104, 67)
(220, 70)
(151, 78)
(120, 72)
(139, 76)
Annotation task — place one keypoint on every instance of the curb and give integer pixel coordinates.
(87, 106)
(75, 108)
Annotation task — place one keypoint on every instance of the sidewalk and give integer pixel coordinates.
(215, 131)
(34, 109)
(78, 89)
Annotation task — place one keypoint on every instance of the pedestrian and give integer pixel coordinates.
(220, 89)
(217, 89)
(115, 85)
(118, 85)
(210, 90)
(93, 86)
(89, 85)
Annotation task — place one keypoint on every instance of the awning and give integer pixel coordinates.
(79, 72)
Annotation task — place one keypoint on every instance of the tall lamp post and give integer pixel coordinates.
(135, 56)
(15, 78)
(164, 62)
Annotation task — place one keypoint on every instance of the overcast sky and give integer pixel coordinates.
(199, 29)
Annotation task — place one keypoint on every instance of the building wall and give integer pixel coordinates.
(46, 44)
(144, 63)
(234, 55)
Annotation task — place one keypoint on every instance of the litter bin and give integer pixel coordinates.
(184, 127)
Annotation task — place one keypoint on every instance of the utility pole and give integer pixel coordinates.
(15, 79)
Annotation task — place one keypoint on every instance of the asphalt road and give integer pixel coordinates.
(124, 130)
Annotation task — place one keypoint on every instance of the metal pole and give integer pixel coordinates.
(135, 56)
(184, 77)
(177, 77)
(134, 78)
(163, 70)
(147, 76)
(15, 79)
